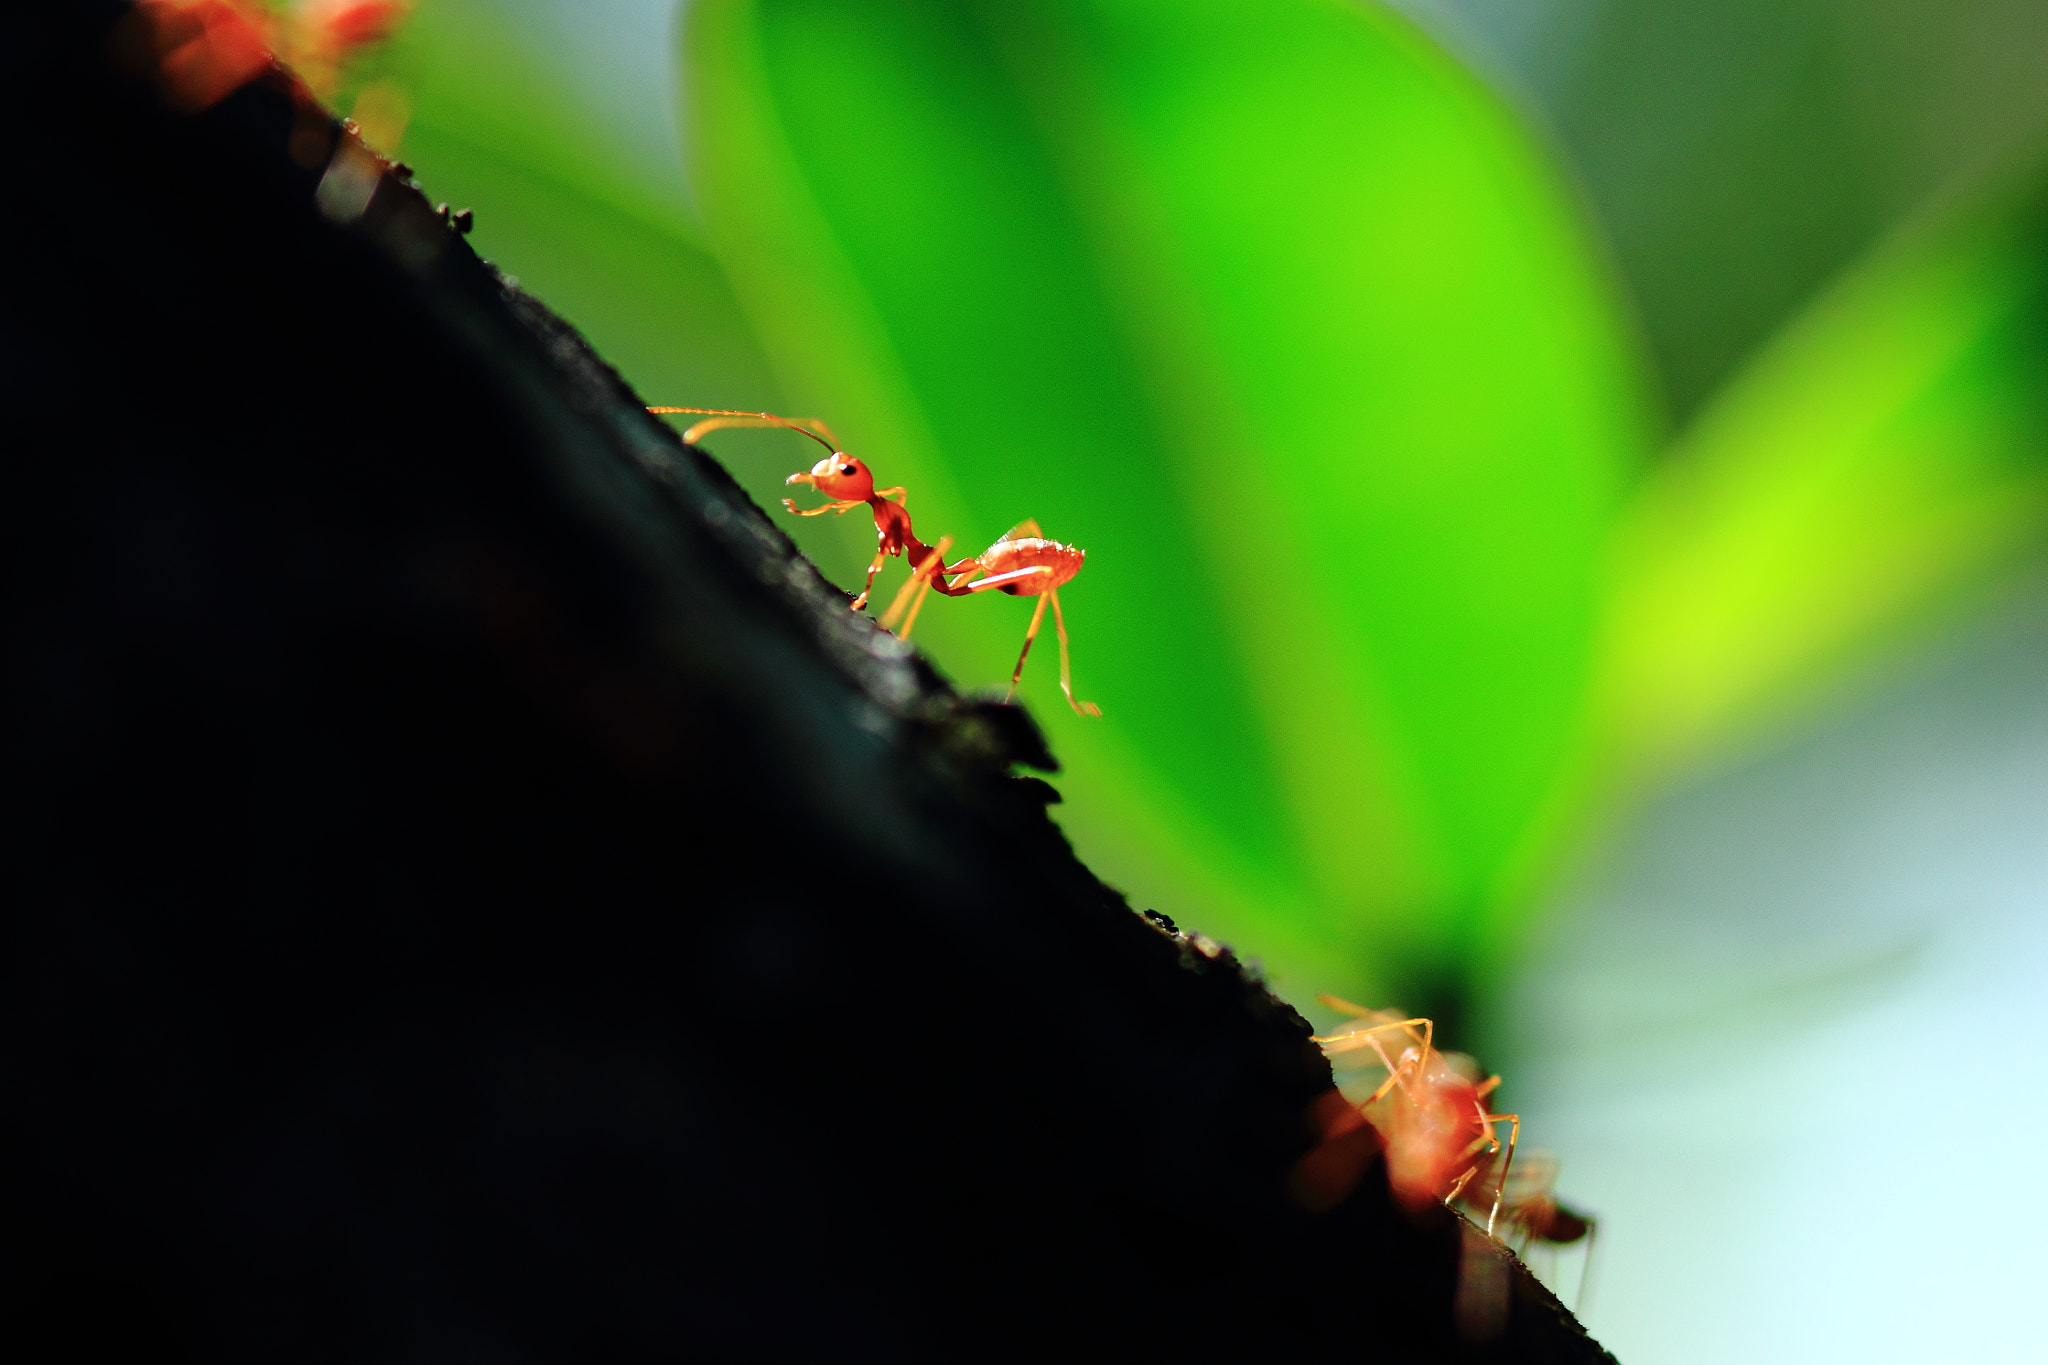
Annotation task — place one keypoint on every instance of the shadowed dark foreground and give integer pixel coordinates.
(474, 893)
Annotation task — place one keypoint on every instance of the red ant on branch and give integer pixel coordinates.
(1440, 1137)
(1022, 562)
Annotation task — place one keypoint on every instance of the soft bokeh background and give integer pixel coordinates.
(1564, 483)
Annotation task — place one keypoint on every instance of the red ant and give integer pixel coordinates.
(1439, 1135)
(1441, 1142)
(1022, 562)
(1430, 1112)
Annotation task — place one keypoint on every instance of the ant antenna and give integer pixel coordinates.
(767, 419)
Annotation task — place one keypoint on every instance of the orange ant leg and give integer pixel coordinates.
(1030, 634)
(1059, 625)
(913, 592)
(1344, 1041)
(790, 503)
(1397, 1073)
(924, 590)
(1514, 1122)
(919, 572)
(1586, 1267)
(881, 558)
(1343, 1006)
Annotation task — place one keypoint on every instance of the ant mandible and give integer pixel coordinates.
(1022, 562)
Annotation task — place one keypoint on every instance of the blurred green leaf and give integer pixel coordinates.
(1742, 153)
(1275, 311)
(1881, 457)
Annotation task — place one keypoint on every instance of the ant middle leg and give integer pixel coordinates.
(914, 591)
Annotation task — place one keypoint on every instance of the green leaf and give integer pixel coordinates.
(1741, 154)
(1883, 457)
(1273, 310)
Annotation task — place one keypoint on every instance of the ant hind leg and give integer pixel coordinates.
(1059, 624)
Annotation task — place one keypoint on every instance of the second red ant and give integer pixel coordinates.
(1022, 562)
(1439, 1136)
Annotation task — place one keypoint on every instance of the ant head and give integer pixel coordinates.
(839, 476)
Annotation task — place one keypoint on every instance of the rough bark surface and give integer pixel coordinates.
(474, 892)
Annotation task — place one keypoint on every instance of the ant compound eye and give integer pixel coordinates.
(849, 470)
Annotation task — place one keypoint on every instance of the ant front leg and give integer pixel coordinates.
(881, 558)
(840, 507)
(1354, 1039)
(1398, 1073)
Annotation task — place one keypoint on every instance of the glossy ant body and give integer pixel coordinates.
(1022, 562)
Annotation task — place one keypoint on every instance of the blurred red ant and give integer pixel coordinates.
(1440, 1138)
(1022, 562)
(205, 50)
